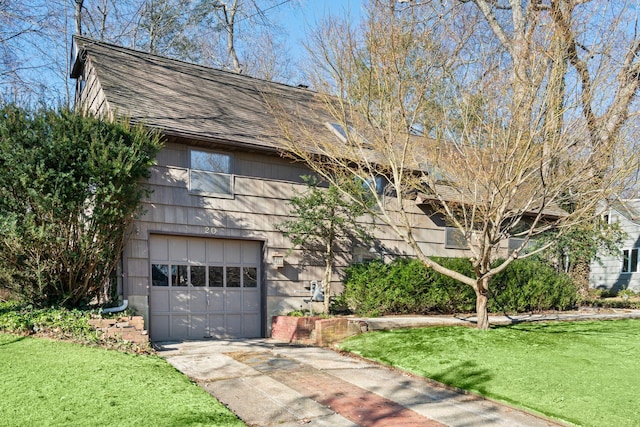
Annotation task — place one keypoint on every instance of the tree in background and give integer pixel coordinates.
(503, 120)
(70, 189)
(325, 222)
(573, 251)
(35, 37)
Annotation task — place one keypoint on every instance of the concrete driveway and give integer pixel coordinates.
(270, 383)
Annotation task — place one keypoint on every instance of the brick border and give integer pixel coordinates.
(315, 330)
(126, 328)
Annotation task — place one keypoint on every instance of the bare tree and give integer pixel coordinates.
(505, 120)
(35, 38)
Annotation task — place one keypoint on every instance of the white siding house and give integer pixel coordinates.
(620, 271)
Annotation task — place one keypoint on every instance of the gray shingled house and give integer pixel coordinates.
(205, 258)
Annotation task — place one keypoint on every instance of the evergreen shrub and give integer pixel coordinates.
(406, 286)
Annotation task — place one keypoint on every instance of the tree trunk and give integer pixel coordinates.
(328, 266)
(481, 311)
(482, 315)
(326, 284)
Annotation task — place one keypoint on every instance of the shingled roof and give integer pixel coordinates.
(204, 104)
(193, 101)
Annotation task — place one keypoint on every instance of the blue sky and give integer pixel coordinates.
(307, 13)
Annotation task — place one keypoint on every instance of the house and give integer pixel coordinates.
(205, 259)
(620, 271)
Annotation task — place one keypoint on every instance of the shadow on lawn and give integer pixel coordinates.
(10, 339)
(575, 328)
(464, 375)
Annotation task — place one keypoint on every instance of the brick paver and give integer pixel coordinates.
(360, 406)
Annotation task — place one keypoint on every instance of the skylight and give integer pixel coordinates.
(342, 135)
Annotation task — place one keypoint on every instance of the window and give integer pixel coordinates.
(379, 183)
(250, 277)
(516, 242)
(233, 277)
(179, 275)
(198, 273)
(210, 173)
(216, 277)
(343, 136)
(160, 275)
(630, 260)
(213, 276)
(454, 239)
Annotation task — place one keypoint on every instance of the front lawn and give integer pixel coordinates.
(47, 382)
(587, 373)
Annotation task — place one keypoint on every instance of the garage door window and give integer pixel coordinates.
(216, 277)
(198, 275)
(195, 275)
(160, 274)
(233, 277)
(179, 275)
(250, 277)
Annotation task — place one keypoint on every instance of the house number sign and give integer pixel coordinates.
(210, 230)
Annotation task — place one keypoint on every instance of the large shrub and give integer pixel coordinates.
(407, 286)
(70, 188)
(531, 285)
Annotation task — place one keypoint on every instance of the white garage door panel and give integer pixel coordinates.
(160, 301)
(204, 288)
(198, 326)
(160, 327)
(216, 301)
(198, 300)
(251, 302)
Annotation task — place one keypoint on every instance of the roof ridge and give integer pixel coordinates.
(124, 49)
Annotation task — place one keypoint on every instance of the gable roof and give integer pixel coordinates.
(193, 101)
(629, 208)
(204, 104)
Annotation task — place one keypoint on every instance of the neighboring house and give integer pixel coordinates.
(620, 271)
(205, 258)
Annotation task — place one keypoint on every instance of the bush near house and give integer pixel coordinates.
(70, 187)
(406, 286)
(62, 324)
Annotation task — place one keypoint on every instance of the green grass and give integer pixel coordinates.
(52, 383)
(586, 373)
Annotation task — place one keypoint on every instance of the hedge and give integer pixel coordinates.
(406, 286)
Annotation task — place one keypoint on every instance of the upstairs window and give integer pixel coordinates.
(210, 173)
(454, 239)
(516, 242)
(376, 184)
(630, 260)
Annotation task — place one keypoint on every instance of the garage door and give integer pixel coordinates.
(203, 288)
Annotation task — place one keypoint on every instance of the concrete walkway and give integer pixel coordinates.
(268, 383)
(271, 383)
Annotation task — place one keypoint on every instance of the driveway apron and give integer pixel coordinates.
(270, 383)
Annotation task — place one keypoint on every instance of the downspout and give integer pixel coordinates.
(118, 309)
